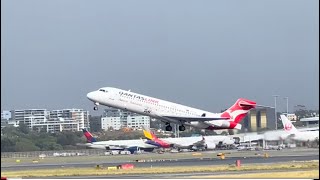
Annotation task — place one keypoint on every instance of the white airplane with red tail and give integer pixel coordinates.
(170, 112)
(295, 134)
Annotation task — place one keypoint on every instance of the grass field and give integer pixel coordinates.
(310, 165)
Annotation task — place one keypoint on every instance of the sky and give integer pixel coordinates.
(205, 54)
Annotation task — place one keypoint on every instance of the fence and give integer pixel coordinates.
(78, 152)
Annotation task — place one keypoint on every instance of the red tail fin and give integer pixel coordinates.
(89, 136)
(239, 110)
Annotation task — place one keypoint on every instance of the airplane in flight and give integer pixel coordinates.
(170, 112)
(191, 143)
(295, 134)
(119, 145)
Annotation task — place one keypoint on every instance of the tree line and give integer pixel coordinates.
(22, 138)
(18, 139)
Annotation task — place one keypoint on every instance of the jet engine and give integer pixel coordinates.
(133, 149)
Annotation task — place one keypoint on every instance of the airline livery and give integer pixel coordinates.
(295, 134)
(191, 143)
(170, 112)
(120, 145)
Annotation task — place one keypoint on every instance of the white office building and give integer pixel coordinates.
(51, 121)
(78, 115)
(57, 125)
(117, 123)
(111, 122)
(29, 116)
(117, 119)
(135, 122)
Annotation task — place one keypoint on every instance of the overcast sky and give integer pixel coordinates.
(201, 53)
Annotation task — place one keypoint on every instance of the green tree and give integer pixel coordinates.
(24, 128)
(7, 144)
(25, 145)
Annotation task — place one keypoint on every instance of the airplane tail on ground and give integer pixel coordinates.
(153, 139)
(148, 133)
(239, 110)
(88, 135)
(287, 124)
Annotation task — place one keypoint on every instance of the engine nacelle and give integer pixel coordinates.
(210, 146)
(133, 149)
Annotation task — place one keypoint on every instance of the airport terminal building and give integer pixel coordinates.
(259, 119)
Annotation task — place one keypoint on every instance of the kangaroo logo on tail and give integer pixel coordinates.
(239, 110)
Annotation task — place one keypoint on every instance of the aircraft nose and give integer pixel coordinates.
(91, 96)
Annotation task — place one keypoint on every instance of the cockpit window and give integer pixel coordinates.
(103, 90)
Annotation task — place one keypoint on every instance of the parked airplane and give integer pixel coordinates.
(192, 143)
(169, 112)
(294, 134)
(121, 145)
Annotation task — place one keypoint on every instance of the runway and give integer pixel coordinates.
(169, 162)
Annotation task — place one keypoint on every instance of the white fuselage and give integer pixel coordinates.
(150, 106)
(305, 136)
(298, 134)
(187, 141)
(120, 144)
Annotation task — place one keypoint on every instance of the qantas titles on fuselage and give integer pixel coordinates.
(141, 98)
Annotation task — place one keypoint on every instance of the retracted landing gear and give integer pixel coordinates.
(182, 128)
